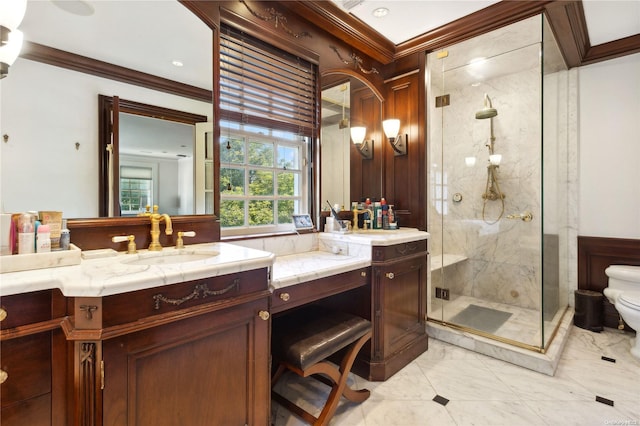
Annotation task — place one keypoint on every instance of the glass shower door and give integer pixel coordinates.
(485, 171)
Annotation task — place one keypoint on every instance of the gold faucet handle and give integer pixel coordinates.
(131, 247)
(180, 242)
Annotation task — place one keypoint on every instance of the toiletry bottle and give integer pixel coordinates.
(36, 224)
(65, 236)
(43, 239)
(26, 234)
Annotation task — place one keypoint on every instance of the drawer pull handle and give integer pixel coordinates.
(3, 376)
(200, 290)
(285, 296)
(3, 314)
(363, 274)
(88, 309)
(389, 275)
(264, 315)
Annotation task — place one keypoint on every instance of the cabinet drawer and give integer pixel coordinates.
(27, 308)
(385, 253)
(300, 294)
(127, 307)
(27, 362)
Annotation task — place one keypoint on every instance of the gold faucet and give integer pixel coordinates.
(356, 212)
(156, 218)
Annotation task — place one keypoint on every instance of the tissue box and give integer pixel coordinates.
(27, 262)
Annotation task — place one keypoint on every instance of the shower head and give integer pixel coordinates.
(488, 111)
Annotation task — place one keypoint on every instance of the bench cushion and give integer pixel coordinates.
(311, 334)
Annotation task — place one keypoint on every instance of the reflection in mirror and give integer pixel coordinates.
(49, 113)
(339, 91)
(335, 139)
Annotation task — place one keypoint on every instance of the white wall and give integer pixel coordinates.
(609, 146)
(45, 110)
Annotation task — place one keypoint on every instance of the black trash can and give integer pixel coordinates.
(589, 314)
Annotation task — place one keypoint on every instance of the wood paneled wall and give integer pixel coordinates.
(595, 254)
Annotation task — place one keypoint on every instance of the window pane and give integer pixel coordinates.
(261, 212)
(261, 154)
(135, 194)
(285, 210)
(288, 184)
(288, 157)
(231, 150)
(231, 181)
(231, 213)
(260, 182)
(208, 176)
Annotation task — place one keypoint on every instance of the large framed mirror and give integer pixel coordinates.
(49, 113)
(349, 100)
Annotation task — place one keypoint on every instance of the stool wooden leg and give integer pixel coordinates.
(340, 386)
(330, 375)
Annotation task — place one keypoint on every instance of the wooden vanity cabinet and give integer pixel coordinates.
(33, 359)
(193, 353)
(399, 291)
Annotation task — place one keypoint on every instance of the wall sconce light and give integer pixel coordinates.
(11, 15)
(470, 161)
(392, 131)
(364, 147)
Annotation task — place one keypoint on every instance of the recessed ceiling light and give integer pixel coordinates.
(177, 63)
(380, 12)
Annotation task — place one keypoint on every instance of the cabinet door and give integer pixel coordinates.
(207, 370)
(399, 300)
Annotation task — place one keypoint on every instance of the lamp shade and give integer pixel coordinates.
(10, 51)
(358, 134)
(391, 127)
(11, 13)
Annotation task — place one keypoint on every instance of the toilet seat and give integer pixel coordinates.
(630, 299)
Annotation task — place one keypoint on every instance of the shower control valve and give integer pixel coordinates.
(525, 217)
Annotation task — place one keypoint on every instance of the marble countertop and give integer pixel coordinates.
(104, 273)
(110, 275)
(337, 253)
(302, 267)
(377, 237)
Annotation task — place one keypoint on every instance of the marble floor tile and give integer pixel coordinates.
(484, 391)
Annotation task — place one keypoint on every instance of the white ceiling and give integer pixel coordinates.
(607, 20)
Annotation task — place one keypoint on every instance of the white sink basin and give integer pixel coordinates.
(169, 257)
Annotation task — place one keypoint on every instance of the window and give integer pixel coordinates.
(268, 117)
(136, 189)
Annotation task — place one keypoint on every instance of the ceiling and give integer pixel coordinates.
(607, 20)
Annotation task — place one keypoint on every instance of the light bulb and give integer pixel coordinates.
(470, 161)
(495, 159)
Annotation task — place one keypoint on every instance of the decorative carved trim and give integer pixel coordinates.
(356, 61)
(87, 382)
(278, 19)
(200, 290)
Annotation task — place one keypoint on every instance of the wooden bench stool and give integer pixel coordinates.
(303, 340)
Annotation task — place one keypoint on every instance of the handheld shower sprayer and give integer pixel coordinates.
(492, 190)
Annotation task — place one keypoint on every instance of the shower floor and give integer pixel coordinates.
(521, 324)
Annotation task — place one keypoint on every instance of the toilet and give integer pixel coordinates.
(624, 292)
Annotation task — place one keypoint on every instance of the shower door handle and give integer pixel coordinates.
(525, 217)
